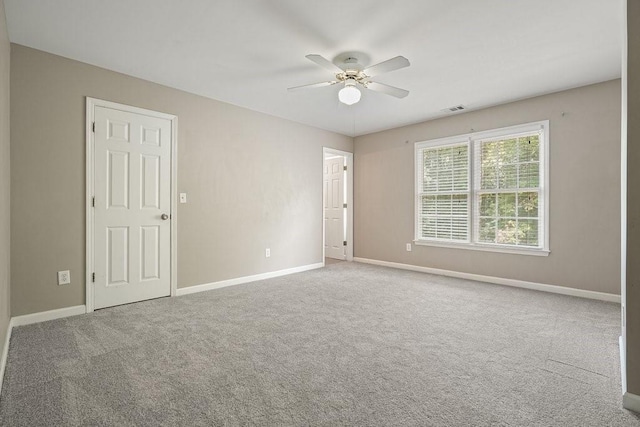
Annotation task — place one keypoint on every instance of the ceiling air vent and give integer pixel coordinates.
(454, 109)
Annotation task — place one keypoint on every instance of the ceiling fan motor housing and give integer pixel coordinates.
(356, 76)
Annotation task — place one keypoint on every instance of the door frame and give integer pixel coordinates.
(91, 104)
(349, 218)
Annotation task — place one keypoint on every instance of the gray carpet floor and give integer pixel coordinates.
(349, 344)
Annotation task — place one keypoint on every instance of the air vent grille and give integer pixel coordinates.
(454, 109)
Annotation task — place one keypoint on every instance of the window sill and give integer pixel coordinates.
(484, 248)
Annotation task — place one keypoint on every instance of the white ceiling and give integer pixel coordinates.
(247, 52)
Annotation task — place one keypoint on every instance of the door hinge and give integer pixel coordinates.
(93, 128)
(344, 205)
(344, 167)
(93, 277)
(93, 202)
(344, 243)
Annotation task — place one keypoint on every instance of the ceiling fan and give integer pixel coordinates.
(353, 76)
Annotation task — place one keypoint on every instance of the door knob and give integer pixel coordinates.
(164, 217)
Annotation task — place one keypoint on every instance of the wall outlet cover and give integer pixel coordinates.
(408, 247)
(64, 277)
(267, 253)
(183, 197)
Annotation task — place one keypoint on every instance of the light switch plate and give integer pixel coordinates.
(183, 197)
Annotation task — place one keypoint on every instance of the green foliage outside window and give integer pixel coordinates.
(509, 216)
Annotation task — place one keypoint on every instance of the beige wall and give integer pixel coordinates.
(4, 179)
(253, 180)
(584, 198)
(633, 197)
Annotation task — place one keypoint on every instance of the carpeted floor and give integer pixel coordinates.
(349, 344)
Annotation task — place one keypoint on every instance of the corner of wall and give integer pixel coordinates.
(5, 200)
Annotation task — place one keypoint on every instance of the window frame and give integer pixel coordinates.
(474, 139)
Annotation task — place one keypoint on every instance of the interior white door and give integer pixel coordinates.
(334, 208)
(132, 227)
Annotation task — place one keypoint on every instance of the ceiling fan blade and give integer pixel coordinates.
(312, 85)
(389, 90)
(386, 66)
(325, 63)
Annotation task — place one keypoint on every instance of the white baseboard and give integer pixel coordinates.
(43, 316)
(5, 353)
(246, 279)
(498, 280)
(631, 402)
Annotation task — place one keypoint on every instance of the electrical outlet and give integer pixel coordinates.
(64, 277)
(408, 247)
(183, 197)
(267, 253)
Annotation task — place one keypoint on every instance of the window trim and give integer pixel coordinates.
(472, 139)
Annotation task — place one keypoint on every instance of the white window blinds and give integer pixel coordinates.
(443, 206)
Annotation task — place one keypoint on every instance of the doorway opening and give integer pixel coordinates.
(337, 205)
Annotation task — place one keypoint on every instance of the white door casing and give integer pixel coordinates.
(132, 217)
(334, 201)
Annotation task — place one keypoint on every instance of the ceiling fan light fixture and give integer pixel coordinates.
(349, 94)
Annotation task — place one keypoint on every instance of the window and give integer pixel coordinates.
(486, 190)
(444, 192)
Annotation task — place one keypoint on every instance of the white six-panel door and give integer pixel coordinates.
(334, 208)
(132, 227)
